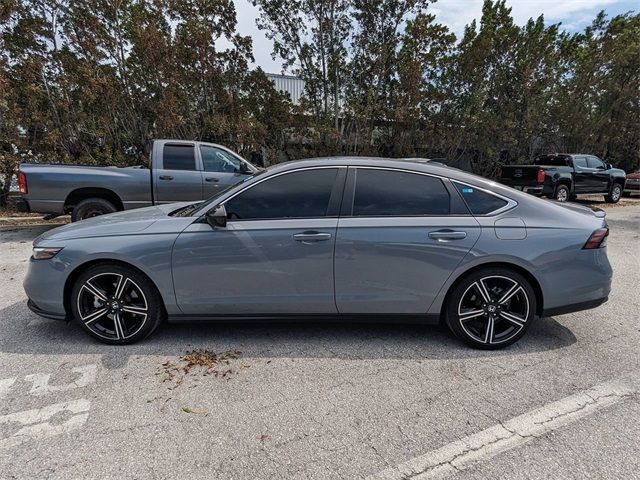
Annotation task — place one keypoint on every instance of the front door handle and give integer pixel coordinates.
(311, 236)
(165, 177)
(212, 179)
(446, 235)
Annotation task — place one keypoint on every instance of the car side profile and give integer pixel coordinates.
(351, 238)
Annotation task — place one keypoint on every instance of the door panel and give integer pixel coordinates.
(398, 265)
(582, 176)
(179, 179)
(600, 177)
(220, 169)
(256, 267)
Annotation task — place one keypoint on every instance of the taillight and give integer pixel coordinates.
(598, 239)
(540, 177)
(22, 183)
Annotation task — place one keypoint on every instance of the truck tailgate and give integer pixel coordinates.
(519, 175)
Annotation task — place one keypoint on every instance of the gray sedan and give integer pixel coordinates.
(350, 238)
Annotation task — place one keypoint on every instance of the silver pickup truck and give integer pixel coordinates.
(179, 171)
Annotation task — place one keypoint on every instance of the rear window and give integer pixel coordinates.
(178, 157)
(388, 193)
(555, 161)
(479, 201)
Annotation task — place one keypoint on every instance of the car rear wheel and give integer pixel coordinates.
(116, 304)
(92, 207)
(614, 194)
(562, 193)
(491, 308)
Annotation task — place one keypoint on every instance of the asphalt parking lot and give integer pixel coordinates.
(323, 401)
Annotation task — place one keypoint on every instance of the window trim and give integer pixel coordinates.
(350, 190)
(334, 197)
(510, 202)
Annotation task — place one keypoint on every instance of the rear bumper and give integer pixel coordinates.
(574, 307)
(23, 206)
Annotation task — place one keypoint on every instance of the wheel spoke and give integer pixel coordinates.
(514, 319)
(117, 322)
(488, 336)
(512, 291)
(471, 314)
(479, 285)
(134, 310)
(94, 316)
(95, 291)
(122, 283)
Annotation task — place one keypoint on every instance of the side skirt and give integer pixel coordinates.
(408, 319)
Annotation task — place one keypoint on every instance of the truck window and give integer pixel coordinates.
(178, 157)
(552, 161)
(595, 162)
(217, 160)
(580, 162)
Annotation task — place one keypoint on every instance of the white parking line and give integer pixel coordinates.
(41, 381)
(5, 386)
(36, 422)
(504, 436)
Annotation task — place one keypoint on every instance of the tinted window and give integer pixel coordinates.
(179, 157)
(594, 162)
(478, 201)
(389, 193)
(303, 194)
(217, 160)
(580, 162)
(552, 160)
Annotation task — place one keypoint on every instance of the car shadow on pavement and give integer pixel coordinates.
(22, 332)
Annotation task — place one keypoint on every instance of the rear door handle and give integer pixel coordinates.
(212, 179)
(165, 177)
(311, 236)
(445, 235)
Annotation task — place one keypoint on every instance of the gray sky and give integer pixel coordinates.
(574, 15)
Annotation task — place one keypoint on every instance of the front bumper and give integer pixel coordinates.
(632, 186)
(38, 311)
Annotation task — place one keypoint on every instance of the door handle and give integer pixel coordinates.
(212, 179)
(165, 177)
(311, 236)
(446, 235)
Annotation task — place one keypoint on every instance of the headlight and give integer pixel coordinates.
(45, 253)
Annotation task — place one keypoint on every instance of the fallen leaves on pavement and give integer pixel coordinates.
(202, 362)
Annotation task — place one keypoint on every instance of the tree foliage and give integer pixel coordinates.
(94, 81)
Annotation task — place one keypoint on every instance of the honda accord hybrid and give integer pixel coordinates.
(339, 238)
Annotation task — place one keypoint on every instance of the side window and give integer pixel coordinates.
(217, 160)
(303, 194)
(580, 162)
(479, 201)
(178, 157)
(387, 193)
(595, 162)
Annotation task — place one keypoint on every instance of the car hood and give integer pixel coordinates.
(120, 223)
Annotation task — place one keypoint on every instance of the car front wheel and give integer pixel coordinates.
(491, 308)
(116, 304)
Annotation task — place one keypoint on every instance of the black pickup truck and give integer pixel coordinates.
(562, 176)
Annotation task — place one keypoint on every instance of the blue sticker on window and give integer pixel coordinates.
(467, 190)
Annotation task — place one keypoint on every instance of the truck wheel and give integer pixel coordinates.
(615, 194)
(562, 193)
(92, 207)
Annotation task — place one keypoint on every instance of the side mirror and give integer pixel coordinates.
(217, 217)
(609, 166)
(244, 168)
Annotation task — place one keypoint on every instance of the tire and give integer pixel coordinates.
(615, 194)
(119, 292)
(469, 315)
(92, 207)
(562, 193)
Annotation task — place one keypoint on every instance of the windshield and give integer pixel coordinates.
(190, 210)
